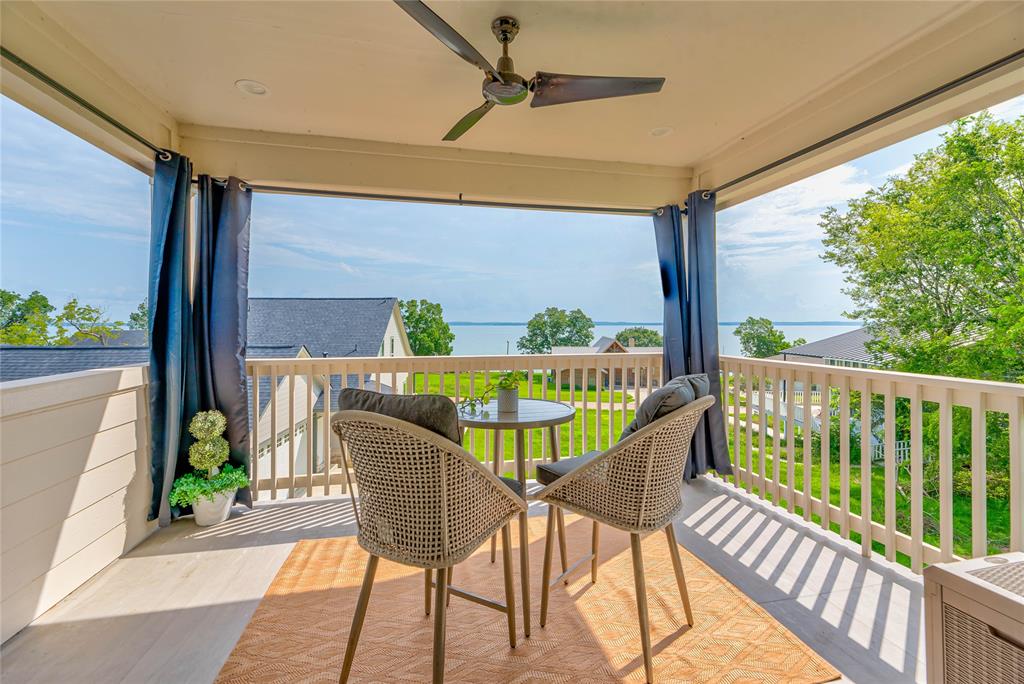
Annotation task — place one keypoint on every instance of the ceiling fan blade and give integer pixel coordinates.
(553, 89)
(468, 121)
(447, 35)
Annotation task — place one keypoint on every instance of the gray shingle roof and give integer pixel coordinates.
(327, 327)
(22, 362)
(847, 346)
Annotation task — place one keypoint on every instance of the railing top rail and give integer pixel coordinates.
(493, 361)
(946, 382)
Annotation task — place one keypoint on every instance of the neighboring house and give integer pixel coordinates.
(848, 349)
(285, 328)
(609, 345)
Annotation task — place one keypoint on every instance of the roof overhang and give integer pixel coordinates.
(824, 68)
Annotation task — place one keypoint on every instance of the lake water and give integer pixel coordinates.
(500, 338)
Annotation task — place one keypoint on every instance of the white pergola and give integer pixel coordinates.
(360, 95)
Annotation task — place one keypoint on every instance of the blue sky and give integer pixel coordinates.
(75, 222)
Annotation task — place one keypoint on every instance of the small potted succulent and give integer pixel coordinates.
(209, 490)
(508, 391)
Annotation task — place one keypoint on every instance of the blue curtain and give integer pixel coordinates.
(170, 326)
(221, 305)
(687, 261)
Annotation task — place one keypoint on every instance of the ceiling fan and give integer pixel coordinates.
(503, 86)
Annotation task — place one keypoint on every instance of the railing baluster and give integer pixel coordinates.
(808, 457)
(309, 431)
(255, 457)
(273, 431)
(776, 439)
(748, 390)
(585, 374)
(1016, 453)
(946, 476)
(979, 470)
(597, 390)
(844, 457)
(790, 441)
(824, 402)
(291, 432)
(611, 402)
(326, 429)
(865, 468)
(916, 481)
(762, 429)
(736, 425)
(572, 402)
(890, 472)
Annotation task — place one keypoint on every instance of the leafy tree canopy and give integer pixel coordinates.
(934, 259)
(429, 334)
(642, 337)
(139, 319)
(759, 338)
(85, 322)
(24, 320)
(556, 327)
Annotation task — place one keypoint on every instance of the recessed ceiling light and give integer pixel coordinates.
(661, 131)
(250, 87)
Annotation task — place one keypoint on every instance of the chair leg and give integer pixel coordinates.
(594, 544)
(545, 588)
(677, 565)
(641, 604)
(427, 577)
(440, 598)
(510, 591)
(448, 583)
(562, 550)
(357, 619)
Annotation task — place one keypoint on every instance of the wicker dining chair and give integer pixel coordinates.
(426, 502)
(633, 486)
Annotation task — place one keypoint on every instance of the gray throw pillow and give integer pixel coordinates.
(676, 393)
(429, 411)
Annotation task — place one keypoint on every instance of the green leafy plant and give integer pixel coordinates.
(191, 487)
(207, 455)
(506, 381)
(210, 450)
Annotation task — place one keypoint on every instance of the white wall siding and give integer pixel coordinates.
(74, 484)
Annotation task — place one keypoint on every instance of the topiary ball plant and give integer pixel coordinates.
(210, 449)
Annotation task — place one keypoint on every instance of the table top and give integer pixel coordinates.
(533, 413)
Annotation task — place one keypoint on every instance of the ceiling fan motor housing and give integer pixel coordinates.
(515, 88)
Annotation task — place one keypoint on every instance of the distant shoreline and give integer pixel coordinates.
(522, 323)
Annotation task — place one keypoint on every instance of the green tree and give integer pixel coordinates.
(84, 322)
(556, 327)
(429, 334)
(139, 319)
(642, 337)
(934, 259)
(759, 338)
(25, 320)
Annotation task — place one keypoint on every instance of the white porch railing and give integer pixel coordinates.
(779, 459)
(293, 464)
(906, 516)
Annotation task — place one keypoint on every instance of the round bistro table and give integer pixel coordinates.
(532, 413)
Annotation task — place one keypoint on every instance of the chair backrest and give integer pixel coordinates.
(635, 484)
(423, 500)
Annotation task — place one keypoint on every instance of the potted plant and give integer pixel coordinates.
(508, 391)
(209, 490)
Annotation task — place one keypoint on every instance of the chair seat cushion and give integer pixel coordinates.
(429, 411)
(513, 484)
(549, 472)
(677, 393)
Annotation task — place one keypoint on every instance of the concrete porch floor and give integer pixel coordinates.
(173, 608)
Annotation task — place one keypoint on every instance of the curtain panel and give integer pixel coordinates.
(220, 312)
(686, 255)
(170, 326)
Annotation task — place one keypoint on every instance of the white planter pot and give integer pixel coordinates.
(214, 512)
(508, 400)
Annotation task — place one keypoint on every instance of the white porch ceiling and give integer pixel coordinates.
(747, 82)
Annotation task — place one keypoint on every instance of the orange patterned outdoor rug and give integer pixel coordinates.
(298, 632)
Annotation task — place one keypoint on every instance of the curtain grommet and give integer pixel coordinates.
(164, 155)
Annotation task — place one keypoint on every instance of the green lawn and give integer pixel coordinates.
(479, 441)
(998, 514)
